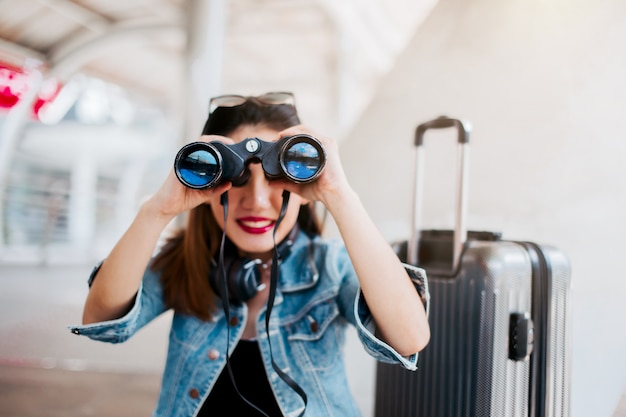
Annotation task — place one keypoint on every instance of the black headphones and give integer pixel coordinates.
(243, 275)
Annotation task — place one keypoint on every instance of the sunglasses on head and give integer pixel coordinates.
(233, 100)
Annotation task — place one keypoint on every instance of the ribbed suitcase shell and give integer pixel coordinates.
(550, 361)
(465, 369)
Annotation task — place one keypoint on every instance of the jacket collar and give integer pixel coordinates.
(299, 271)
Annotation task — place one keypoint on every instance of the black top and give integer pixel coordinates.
(252, 383)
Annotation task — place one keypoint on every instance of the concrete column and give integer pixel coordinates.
(82, 209)
(205, 60)
(126, 199)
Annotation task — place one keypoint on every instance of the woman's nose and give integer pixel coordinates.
(256, 190)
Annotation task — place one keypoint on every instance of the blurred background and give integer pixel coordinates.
(97, 96)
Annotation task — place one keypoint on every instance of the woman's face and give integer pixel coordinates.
(254, 207)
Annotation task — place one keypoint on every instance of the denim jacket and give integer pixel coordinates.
(317, 296)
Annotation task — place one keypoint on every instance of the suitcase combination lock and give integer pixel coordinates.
(521, 336)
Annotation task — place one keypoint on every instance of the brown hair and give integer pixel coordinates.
(185, 259)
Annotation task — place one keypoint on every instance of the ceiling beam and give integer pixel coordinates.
(78, 14)
(16, 54)
(70, 58)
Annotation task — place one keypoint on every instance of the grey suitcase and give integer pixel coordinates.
(499, 317)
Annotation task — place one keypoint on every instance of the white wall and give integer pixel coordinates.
(543, 83)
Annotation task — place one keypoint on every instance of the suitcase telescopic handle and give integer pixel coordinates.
(460, 228)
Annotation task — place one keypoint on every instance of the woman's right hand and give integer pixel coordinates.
(173, 198)
(113, 291)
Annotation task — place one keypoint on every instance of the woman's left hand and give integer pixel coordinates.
(385, 284)
(332, 180)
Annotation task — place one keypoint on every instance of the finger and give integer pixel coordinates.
(212, 195)
(294, 130)
(280, 184)
(303, 190)
(222, 188)
(301, 129)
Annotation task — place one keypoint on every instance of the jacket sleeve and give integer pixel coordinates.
(366, 327)
(148, 304)
(361, 317)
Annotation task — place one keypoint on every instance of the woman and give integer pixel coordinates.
(291, 363)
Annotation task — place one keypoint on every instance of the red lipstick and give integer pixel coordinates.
(255, 225)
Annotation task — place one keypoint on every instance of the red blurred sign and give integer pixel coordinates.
(14, 84)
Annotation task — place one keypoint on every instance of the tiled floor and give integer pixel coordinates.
(46, 371)
(31, 392)
(27, 392)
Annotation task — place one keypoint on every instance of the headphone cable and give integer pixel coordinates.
(275, 272)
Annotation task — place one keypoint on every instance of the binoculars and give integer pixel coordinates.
(298, 158)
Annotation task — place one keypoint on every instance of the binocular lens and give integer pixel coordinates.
(302, 161)
(299, 158)
(198, 168)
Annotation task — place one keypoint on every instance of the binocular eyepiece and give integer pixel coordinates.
(299, 158)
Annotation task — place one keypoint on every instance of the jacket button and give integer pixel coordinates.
(194, 393)
(234, 321)
(213, 354)
(314, 327)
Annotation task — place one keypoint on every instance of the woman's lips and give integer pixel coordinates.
(255, 225)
